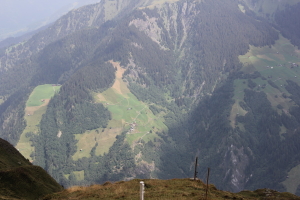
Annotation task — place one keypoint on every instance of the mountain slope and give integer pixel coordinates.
(20, 179)
(146, 87)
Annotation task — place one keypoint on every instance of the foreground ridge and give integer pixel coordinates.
(163, 189)
(19, 179)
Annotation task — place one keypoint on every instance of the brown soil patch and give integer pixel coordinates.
(32, 109)
(119, 84)
(101, 97)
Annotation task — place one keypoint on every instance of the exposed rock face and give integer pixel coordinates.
(235, 162)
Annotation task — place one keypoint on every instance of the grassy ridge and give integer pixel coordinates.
(163, 189)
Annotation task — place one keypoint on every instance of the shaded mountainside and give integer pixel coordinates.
(146, 88)
(20, 179)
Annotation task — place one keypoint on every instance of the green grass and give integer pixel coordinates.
(40, 93)
(178, 189)
(79, 175)
(293, 180)
(34, 111)
(89, 139)
(125, 110)
(274, 64)
(129, 109)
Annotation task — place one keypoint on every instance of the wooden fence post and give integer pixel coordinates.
(207, 183)
(142, 190)
(195, 173)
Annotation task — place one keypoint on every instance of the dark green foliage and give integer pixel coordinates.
(242, 75)
(12, 113)
(155, 110)
(251, 84)
(273, 84)
(71, 111)
(58, 60)
(288, 23)
(294, 89)
(20, 179)
(113, 166)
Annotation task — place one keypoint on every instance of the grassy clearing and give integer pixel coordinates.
(179, 189)
(293, 180)
(79, 175)
(128, 113)
(279, 63)
(242, 8)
(35, 108)
(40, 93)
(133, 114)
(89, 139)
(239, 86)
(235, 111)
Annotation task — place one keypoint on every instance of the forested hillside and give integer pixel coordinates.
(148, 86)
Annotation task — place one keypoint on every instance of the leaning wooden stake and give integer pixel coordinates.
(207, 183)
(195, 174)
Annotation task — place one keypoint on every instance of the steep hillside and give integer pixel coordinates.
(149, 85)
(20, 179)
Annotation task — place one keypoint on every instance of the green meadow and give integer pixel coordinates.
(40, 93)
(277, 63)
(135, 116)
(127, 113)
(36, 106)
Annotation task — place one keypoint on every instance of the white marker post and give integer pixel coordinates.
(142, 190)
